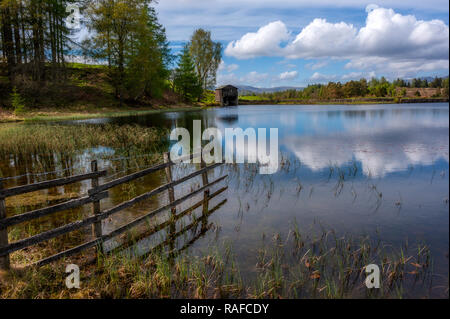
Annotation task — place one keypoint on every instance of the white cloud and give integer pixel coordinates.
(223, 67)
(225, 74)
(265, 42)
(319, 77)
(251, 78)
(230, 19)
(288, 75)
(371, 7)
(232, 67)
(391, 41)
(323, 39)
(254, 77)
(317, 65)
(227, 78)
(389, 34)
(358, 75)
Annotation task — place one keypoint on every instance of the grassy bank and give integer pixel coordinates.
(87, 92)
(54, 114)
(324, 265)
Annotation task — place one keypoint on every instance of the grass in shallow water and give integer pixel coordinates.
(321, 266)
(45, 139)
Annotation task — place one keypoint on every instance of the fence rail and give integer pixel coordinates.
(95, 194)
(47, 184)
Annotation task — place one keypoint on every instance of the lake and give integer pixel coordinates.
(375, 170)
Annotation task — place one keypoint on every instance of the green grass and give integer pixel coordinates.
(48, 139)
(253, 98)
(208, 98)
(97, 113)
(85, 66)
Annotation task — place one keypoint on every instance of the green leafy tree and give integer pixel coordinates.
(114, 23)
(206, 55)
(186, 80)
(129, 37)
(403, 92)
(445, 86)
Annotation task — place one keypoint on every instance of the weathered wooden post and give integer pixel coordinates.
(206, 192)
(4, 260)
(171, 190)
(97, 226)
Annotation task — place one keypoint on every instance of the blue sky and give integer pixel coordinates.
(295, 42)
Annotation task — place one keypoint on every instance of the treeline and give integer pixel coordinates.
(33, 33)
(124, 36)
(362, 88)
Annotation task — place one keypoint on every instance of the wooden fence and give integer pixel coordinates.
(95, 194)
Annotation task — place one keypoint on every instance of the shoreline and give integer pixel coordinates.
(72, 115)
(345, 101)
(51, 114)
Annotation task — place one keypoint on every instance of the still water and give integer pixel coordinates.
(377, 170)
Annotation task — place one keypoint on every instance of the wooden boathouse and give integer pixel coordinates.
(227, 95)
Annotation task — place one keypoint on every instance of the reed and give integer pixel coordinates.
(68, 139)
(323, 265)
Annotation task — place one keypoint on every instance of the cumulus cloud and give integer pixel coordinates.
(232, 67)
(288, 75)
(319, 77)
(371, 7)
(254, 77)
(389, 34)
(317, 65)
(227, 78)
(389, 39)
(358, 75)
(265, 42)
(323, 39)
(223, 67)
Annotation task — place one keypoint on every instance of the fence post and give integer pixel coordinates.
(97, 226)
(4, 260)
(206, 192)
(171, 190)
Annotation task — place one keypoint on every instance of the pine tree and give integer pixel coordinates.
(186, 81)
(147, 68)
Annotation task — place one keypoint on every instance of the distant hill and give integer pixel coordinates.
(245, 89)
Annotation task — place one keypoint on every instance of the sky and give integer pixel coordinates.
(296, 42)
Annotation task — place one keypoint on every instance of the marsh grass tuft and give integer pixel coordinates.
(323, 265)
(68, 139)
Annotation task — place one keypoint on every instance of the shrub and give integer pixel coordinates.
(17, 102)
